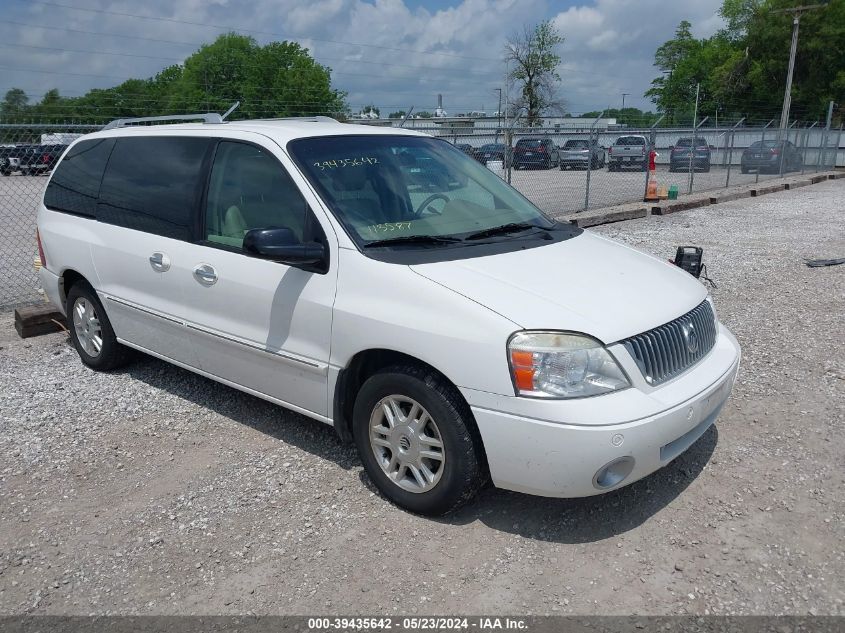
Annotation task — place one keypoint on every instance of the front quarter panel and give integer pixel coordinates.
(388, 306)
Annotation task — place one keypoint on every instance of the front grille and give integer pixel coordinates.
(671, 349)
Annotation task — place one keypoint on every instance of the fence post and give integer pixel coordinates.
(836, 149)
(807, 134)
(762, 143)
(589, 170)
(730, 161)
(731, 154)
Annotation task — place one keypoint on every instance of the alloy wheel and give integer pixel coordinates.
(86, 324)
(407, 443)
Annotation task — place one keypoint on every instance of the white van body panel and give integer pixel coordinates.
(585, 284)
(387, 306)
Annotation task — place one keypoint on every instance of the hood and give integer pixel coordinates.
(586, 284)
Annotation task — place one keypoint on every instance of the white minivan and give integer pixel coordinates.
(382, 281)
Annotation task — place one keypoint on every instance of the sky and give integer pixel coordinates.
(392, 53)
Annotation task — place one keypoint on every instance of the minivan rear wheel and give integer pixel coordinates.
(417, 440)
(91, 332)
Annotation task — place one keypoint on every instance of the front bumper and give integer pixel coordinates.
(547, 457)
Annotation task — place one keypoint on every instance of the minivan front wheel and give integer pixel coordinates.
(417, 440)
(91, 332)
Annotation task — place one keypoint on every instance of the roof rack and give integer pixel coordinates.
(205, 117)
(314, 119)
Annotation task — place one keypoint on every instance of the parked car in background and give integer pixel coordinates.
(40, 159)
(767, 156)
(11, 157)
(578, 153)
(687, 151)
(466, 148)
(628, 151)
(493, 151)
(535, 152)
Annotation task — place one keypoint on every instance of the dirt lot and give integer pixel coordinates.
(156, 491)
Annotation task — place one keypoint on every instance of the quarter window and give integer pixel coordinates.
(248, 190)
(153, 184)
(76, 182)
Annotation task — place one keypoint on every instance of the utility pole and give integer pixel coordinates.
(624, 94)
(787, 95)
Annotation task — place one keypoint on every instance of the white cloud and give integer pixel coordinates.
(409, 57)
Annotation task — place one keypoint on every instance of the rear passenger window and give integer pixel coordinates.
(249, 189)
(153, 184)
(76, 181)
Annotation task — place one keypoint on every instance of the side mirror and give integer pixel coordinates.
(281, 245)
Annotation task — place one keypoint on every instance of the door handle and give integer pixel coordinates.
(205, 274)
(160, 262)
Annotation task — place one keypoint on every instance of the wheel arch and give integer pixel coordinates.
(360, 367)
(67, 279)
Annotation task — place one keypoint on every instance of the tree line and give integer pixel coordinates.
(741, 70)
(275, 80)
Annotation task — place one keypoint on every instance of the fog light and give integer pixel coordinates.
(614, 473)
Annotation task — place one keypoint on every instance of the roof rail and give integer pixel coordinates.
(205, 117)
(315, 119)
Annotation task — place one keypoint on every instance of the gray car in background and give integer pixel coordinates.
(578, 153)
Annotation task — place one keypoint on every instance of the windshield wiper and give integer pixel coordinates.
(413, 239)
(513, 227)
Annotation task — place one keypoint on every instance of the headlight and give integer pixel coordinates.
(561, 365)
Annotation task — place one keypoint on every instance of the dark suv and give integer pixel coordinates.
(492, 151)
(767, 156)
(535, 152)
(685, 151)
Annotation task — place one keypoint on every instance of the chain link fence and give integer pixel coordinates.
(561, 170)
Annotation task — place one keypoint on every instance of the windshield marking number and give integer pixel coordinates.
(387, 227)
(347, 162)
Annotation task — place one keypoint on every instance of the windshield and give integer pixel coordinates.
(758, 144)
(576, 145)
(528, 143)
(382, 187)
(492, 148)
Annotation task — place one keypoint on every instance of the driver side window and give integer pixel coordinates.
(248, 190)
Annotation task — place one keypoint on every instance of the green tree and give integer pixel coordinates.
(279, 79)
(14, 102)
(742, 69)
(400, 114)
(532, 57)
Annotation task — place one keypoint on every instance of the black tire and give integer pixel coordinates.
(562, 167)
(743, 169)
(112, 354)
(707, 168)
(464, 471)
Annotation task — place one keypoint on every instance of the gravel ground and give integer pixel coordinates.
(154, 491)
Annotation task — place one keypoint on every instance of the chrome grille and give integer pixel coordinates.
(671, 349)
